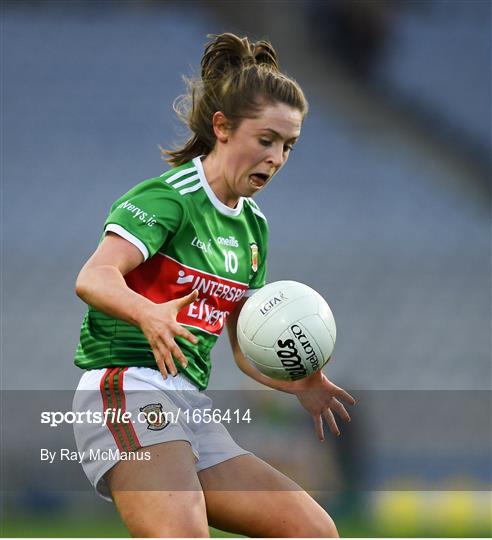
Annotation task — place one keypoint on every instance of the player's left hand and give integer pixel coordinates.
(321, 398)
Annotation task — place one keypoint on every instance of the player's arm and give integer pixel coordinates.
(319, 396)
(101, 284)
(242, 362)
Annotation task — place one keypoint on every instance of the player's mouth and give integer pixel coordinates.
(258, 180)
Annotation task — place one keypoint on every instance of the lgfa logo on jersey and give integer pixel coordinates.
(204, 246)
(254, 256)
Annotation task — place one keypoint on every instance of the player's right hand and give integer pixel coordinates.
(320, 397)
(158, 324)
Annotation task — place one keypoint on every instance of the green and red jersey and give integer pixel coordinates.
(190, 240)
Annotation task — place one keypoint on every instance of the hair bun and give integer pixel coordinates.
(229, 52)
(264, 53)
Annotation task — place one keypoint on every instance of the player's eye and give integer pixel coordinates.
(265, 142)
(288, 147)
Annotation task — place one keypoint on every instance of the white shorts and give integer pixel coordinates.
(157, 411)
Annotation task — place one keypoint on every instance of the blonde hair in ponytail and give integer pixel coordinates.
(237, 77)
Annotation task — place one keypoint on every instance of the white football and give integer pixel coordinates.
(287, 330)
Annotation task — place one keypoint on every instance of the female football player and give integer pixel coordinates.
(179, 255)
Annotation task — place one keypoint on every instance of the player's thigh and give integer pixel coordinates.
(245, 495)
(161, 496)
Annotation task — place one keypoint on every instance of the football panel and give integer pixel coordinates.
(279, 372)
(268, 332)
(316, 329)
(260, 355)
(267, 301)
(297, 346)
(259, 298)
(279, 362)
(305, 335)
(327, 317)
(241, 338)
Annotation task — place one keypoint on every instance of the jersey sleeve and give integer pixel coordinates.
(146, 216)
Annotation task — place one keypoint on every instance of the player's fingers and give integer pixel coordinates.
(342, 394)
(185, 300)
(159, 359)
(186, 334)
(340, 410)
(318, 426)
(176, 352)
(171, 366)
(330, 420)
(167, 359)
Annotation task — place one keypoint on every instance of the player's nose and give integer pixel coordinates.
(276, 156)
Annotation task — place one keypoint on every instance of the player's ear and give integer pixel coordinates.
(221, 126)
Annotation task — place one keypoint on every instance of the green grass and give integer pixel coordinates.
(70, 526)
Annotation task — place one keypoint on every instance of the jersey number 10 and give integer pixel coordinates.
(230, 261)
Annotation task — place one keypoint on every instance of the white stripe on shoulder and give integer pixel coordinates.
(258, 213)
(190, 189)
(120, 231)
(179, 174)
(186, 181)
(252, 203)
(255, 208)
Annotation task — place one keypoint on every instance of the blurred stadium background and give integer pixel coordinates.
(384, 208)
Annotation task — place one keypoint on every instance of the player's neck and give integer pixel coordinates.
(217, 180)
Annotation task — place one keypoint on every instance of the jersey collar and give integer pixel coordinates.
(219, 205)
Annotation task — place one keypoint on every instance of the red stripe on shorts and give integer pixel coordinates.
(102, 387)
(133, 435)
(120, 407)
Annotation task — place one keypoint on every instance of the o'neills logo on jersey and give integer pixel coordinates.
(162, 279)
(230, 241)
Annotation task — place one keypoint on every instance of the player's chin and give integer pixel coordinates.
(252, 192)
